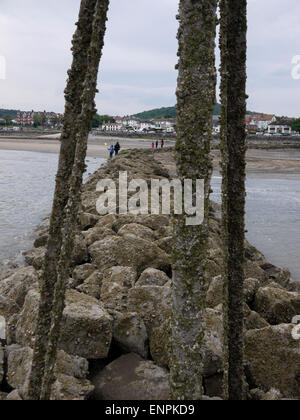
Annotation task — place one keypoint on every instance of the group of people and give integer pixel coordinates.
(114, 150)
(157, 143)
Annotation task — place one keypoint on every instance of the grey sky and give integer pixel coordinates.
(137, 71)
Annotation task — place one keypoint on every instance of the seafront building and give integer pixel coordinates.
(279, 129)
(27, 118)
(133, 124)
(255, 123)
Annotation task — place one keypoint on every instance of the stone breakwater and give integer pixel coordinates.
(273, 142)
(114, 342)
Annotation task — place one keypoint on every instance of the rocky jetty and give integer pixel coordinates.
(114, 342)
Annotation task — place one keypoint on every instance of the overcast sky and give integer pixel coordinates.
(137, 70)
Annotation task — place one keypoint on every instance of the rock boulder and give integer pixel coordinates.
(129, 252)
(273, 359)
(131, 378)
(86, 328)
(277, 305)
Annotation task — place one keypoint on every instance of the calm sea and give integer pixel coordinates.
(26, 192)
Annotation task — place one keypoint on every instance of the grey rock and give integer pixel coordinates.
(81, 273)
(86, 326)
(3, 396)
(273, 359)
(97, 233)
(130, 333)
(70, 371)
(15, 287)
(35, 257)
(92, 285)
(68, 388)
(277, 305)
(14, 396)
(131, 378)
(88, 220)
(152, 303)
(116, 283)
(137, 230)
(152, 277)
(129, 251)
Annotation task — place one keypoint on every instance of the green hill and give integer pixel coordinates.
(157, 113)
(171, 113)
(166, 113)
(11, 112)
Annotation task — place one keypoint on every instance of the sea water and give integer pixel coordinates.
(26, 193)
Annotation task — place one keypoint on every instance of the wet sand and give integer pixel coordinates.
(97, 146)
(268, 161)
(259, 161)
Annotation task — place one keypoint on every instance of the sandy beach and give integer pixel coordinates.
(259, 161)
(97, 147)
(285, 161)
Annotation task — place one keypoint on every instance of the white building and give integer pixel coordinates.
(146, 126)
(167, 126)
(262, 121)
(111, 127)
(279, 129)
(138, 125)
(130, 122)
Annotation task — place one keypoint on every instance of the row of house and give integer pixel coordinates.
(132, 124)
(27, 118)
(260, 123)
(257, 123)
(268, 124)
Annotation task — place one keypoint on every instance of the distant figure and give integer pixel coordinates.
(111, 151)
(117, 148)
(153, 145)
(162, 143)
(157, 144)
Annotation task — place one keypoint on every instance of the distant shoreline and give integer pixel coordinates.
(136, 139)
(97, 147)
(284, 160)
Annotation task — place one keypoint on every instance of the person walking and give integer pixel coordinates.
(162, 143)
(111, 151)
(153, 145)
(157, 144)
(117, 148)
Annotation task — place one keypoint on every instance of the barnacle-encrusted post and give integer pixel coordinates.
(73, 96)
(195, 101)
(233, 45)
(83, 128)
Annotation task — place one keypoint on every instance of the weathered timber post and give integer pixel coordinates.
(233, 45)
(195, 101)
